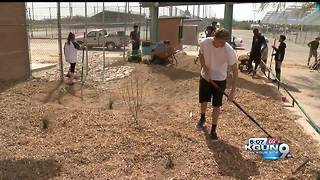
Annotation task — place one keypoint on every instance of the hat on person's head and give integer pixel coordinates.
(318, 38)
(135, 26)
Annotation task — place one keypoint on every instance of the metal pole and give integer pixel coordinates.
(274, 43)
(86, 42)
(187, 8)
(27, 35)
(176, 11)
(147, 29)
(125, 28)
(154, 24)
(32, 11)
(104, 42)
(59, 41)
(30, 23)
(51, 23)
(139, 20)
(198, 11)
(70, 14)
(228, 11)
(203, 11)
(97, 8)
(193, 11)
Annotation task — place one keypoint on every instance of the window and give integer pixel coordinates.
(92, 34)
(101, 33)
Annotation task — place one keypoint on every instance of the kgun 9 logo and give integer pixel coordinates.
(269, 148)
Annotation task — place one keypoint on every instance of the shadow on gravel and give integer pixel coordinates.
(229, 159)
(29, 169)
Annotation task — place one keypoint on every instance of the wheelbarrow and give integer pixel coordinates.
(243, 64)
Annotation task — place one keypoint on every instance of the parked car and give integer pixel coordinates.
(252, 26)
(112, 41)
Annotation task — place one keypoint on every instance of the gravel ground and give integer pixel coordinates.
(87, 140)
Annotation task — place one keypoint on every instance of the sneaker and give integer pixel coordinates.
(200, 124)
(213, 136)
(254, 73)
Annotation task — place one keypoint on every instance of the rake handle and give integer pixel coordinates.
(235, 103)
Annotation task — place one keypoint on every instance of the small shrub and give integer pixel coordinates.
(45, 122)
(110, 105)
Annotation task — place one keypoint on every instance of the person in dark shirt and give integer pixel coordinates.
(135, 38)
(279, 55)
(210, 30)
(313, 45)
(258, 46)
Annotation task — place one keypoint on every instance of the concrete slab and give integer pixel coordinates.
(38, 67)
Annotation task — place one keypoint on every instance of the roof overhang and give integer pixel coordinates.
(162, 4)
(171, 17)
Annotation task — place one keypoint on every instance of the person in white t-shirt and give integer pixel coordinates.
(70, 52)
(215, 57)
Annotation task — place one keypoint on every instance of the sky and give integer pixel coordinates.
(241, 12)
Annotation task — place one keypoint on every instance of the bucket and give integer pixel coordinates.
(146, 48)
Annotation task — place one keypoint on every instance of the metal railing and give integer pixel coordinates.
(294, 100)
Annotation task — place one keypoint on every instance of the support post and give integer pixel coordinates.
(86, 37)
(59, 41)
(193, 12)
(154, 11)
(228, 11)
(104, 43)
(125, 27)
(30, 23)
(50, 23)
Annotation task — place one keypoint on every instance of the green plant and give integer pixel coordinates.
(62, 91)
(45, 122)
(110, 105)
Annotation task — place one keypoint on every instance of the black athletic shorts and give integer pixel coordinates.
(72, 67)
(207, 92)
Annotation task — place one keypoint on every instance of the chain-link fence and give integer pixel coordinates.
(117, 20)
(298, 37)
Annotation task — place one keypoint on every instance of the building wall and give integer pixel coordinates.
(169, 30)
(14, 54)
(190, 34)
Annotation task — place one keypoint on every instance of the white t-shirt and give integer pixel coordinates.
(217, 59)
(70, 53)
